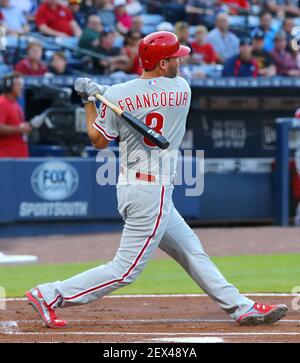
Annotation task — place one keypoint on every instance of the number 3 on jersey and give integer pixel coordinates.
(154, 120)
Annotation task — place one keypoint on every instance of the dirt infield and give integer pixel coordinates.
(102, 246)
(149, 319)
(145, 319)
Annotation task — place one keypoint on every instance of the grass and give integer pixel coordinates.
(268, 273)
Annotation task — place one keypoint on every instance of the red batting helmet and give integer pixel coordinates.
(160, 45)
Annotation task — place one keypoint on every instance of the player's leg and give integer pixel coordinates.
(181, 243)
(146, 212)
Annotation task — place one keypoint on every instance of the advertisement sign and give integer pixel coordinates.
(54, 190)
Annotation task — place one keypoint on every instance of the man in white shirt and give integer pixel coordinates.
(225, 43)
(28, 7)
(14, 20)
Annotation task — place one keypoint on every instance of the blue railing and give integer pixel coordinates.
(283, 126)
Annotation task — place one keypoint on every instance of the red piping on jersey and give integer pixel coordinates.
(104, 133)
(136, 260)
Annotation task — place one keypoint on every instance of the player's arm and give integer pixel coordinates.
(97, 139)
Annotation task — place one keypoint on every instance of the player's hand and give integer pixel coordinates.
(87, 89)
(25, 128)
(93, 88)
(80, 86)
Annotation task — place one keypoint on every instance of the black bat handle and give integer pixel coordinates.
(160, 141)
(145, 130)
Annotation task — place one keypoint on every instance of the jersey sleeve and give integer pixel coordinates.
(107, 121)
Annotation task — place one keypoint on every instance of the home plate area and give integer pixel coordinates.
(149, 319)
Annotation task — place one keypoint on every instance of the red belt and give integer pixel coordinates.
(142, 176)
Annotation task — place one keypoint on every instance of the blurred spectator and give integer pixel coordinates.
(124, 20)
(137, 25)
(2, 38)
(165, 26)
(243, 64)
(28, 7)
(172, 10)
(13, 128)
(269, 31)
(266, 67)
(32, 65)
(113, 59)
(236, 6)
(283, 8)
(202, 52)
(225, 43)
(59, 65)
(79, 15)
(133, 7)
(104, 9)
(182, 31)
(131, 45)
(14, 20)
(87, 6)
(56, 20)
(200, 12)
(285, 62)
(90, 37)
(287, 26)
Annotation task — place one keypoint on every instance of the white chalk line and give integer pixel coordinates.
(190, 340)
(171, 295)
(194, 334)
(11, 328)
(154, 321)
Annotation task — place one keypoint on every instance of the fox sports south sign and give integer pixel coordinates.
(54, 181)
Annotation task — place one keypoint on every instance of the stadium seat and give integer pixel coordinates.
(4, 69)
(152, 19)
(147, 29)
(297, 21)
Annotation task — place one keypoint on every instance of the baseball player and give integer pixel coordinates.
(162, 99)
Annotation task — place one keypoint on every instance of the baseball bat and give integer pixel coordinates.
(137, 124)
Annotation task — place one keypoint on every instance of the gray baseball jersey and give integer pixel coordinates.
(151, 220)
(161, 103)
